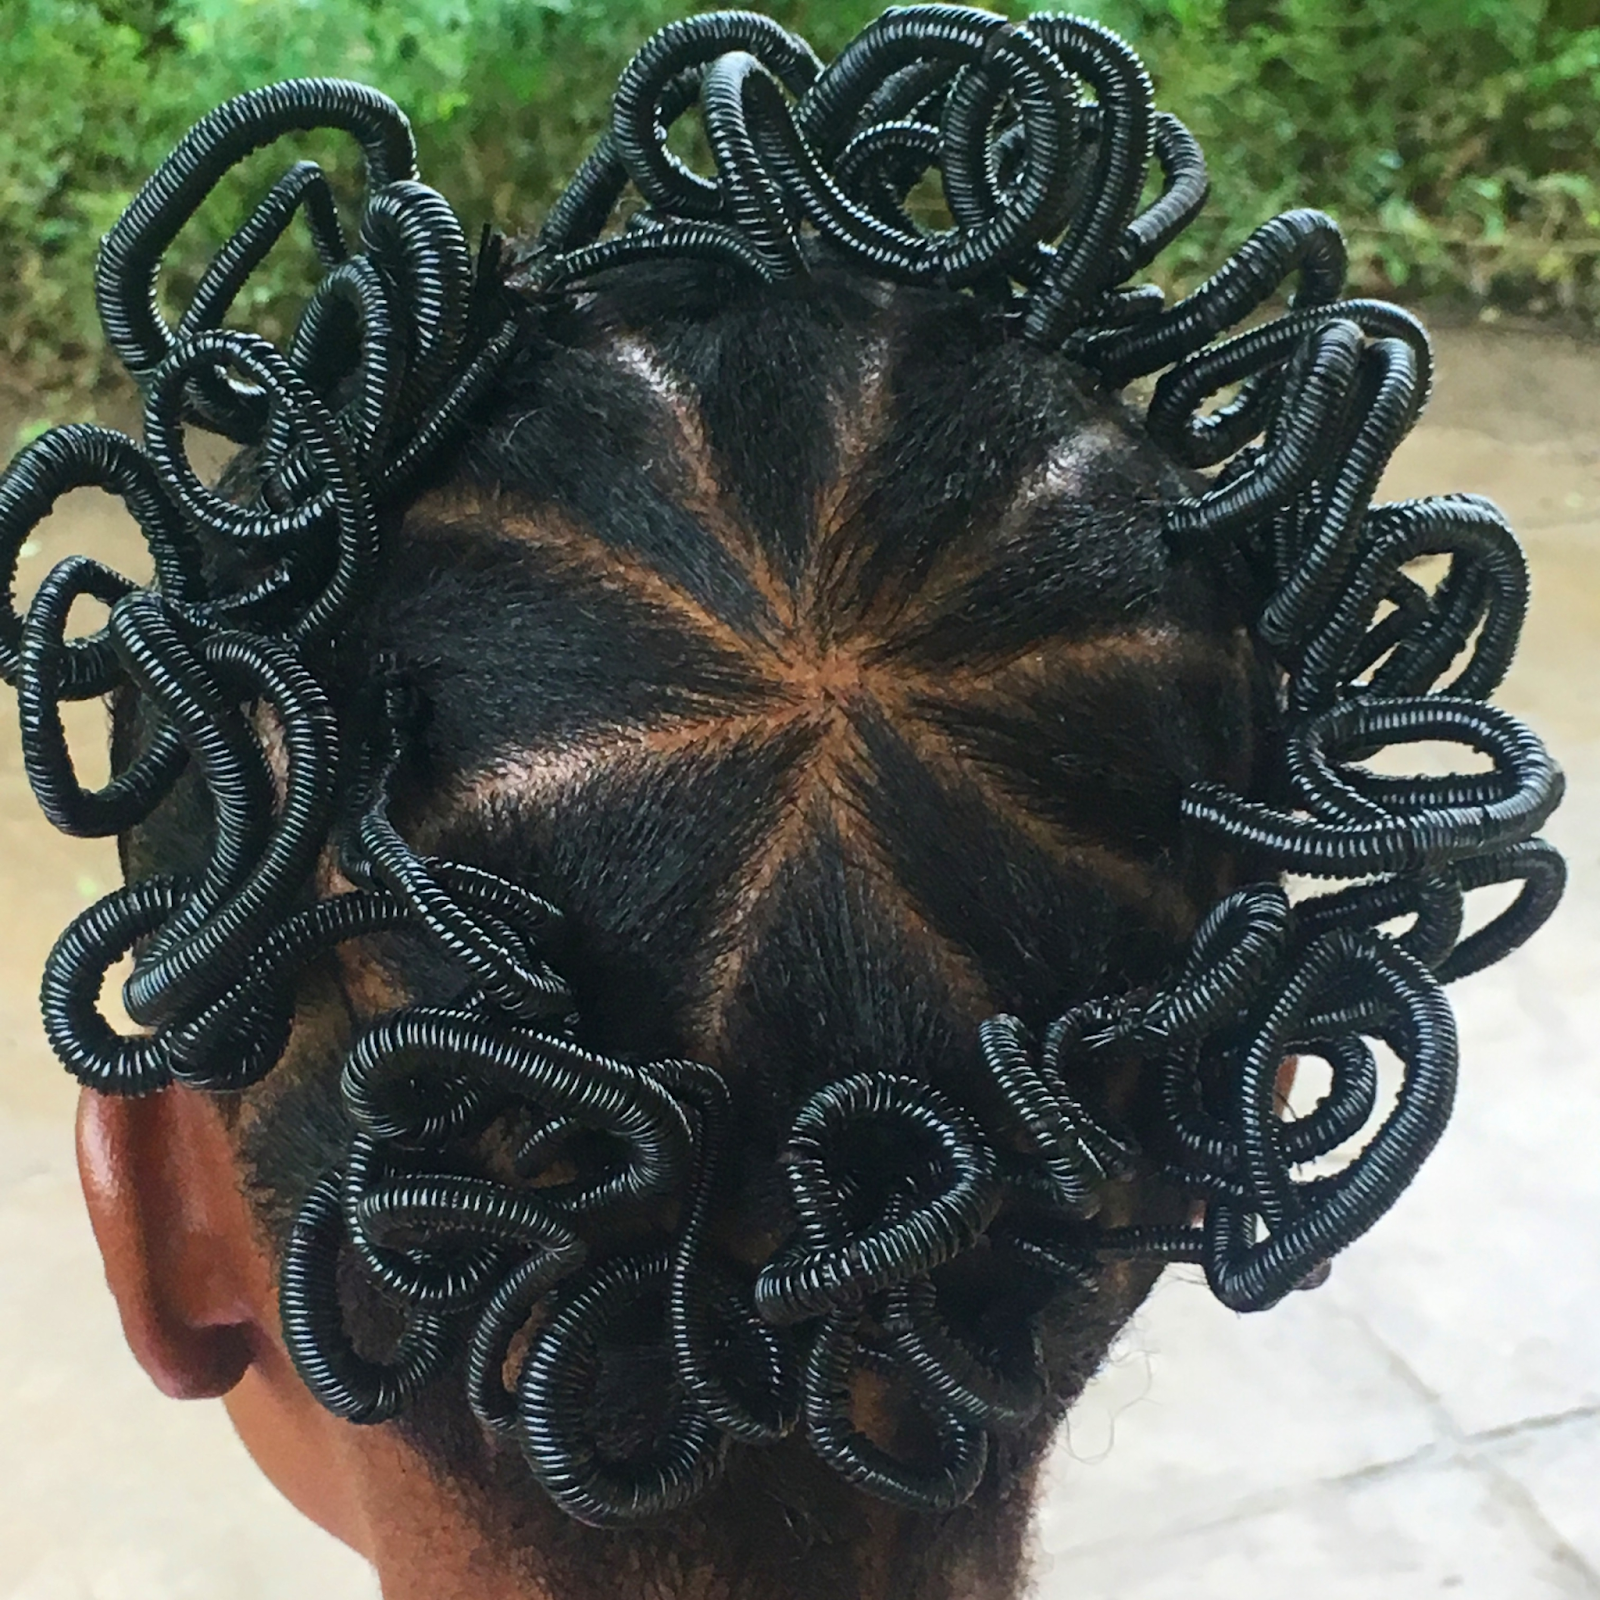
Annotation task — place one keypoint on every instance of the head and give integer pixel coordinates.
(817, 651)
(696, 818)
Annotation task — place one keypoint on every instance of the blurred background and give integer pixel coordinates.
(1454, 139)
(1429, 1422)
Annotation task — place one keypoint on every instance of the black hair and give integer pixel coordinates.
(777, 676)
(800, 826)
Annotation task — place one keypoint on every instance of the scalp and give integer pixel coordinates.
(819, 652)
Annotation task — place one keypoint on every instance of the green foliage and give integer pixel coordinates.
(1457, 140)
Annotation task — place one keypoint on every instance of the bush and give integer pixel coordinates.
(1456, 139)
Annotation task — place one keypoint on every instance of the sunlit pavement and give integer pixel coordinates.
(1429, 1422)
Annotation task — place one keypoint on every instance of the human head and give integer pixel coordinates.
(851, 670)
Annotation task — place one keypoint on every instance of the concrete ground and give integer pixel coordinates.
(1429, 1422)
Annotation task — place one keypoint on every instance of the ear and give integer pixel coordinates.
(180, 1253)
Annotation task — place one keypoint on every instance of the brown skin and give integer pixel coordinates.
(195, 1288)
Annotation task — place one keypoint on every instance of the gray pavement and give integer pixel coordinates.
(1429, 1422)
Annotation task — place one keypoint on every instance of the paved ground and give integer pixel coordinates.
(1427, 1423)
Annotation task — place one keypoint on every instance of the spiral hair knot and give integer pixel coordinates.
(813, 161)
(921, 1188)
(890, 1184)
(1333, 981)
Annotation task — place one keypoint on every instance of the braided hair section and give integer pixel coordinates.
(493, 1157)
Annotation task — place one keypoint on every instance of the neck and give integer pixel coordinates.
(431, 1538)
(423, 1540)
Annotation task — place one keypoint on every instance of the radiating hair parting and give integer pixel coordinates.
(778, 772)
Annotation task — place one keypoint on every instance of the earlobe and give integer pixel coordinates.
(175, 1235)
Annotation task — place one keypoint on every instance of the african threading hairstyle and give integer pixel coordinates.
(780, 775)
